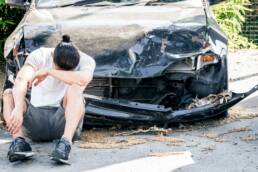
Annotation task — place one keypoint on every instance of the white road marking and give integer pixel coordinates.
(5, 141)
(166, 163)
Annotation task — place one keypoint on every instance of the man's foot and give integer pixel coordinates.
(19, 150)
(61, 151)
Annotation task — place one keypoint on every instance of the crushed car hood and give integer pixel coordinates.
(126, 41)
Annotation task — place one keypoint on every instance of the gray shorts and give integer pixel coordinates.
(46, 123)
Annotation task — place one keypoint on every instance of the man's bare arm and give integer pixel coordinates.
(19, 92)
(21, 85)
(81, 78)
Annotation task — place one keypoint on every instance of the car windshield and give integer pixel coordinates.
(60, 3)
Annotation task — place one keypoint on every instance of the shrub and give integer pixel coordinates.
(9, 18)
(230, 15)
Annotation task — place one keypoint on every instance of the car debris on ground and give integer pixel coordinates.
(150, 131)
(211, 99)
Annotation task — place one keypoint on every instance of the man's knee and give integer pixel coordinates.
(74, 91)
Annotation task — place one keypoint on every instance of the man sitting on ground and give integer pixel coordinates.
(57, 78)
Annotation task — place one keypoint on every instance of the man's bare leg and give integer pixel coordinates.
(14, 108)
(8, 106)
(74, 110)
(16, 151)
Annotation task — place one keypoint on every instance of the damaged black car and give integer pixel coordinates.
(158, 61)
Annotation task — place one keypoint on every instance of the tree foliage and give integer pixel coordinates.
(9, 18)
(231, 16)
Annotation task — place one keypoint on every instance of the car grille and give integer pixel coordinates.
(128, 89)
(140, 90)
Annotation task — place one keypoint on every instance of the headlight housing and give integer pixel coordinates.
(206, 59)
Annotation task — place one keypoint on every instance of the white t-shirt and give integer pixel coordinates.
(51, 91)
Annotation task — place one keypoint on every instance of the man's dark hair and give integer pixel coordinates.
(66, 56)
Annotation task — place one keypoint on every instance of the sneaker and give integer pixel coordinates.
(61, 151)
(19, 150)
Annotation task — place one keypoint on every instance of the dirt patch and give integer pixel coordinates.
(109, 139)
(105, 139)
(236, 130)
(218, 137)
(113, 143)
(113, 138)
(97, 135)
(239, 113)
(211, 135)
(220, 140)
(209, 148)
(249, 138)
(235, 114)
(174, 144)
(167, 139)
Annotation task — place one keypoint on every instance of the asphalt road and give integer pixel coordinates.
(225, 145)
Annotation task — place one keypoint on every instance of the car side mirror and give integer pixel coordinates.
(18, 3)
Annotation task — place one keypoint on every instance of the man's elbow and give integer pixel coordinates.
(85, 81)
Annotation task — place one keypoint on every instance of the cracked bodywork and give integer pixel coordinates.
(154, 58)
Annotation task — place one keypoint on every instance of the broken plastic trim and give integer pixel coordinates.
(125, 112)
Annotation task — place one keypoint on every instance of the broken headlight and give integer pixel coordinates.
(206, 59)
